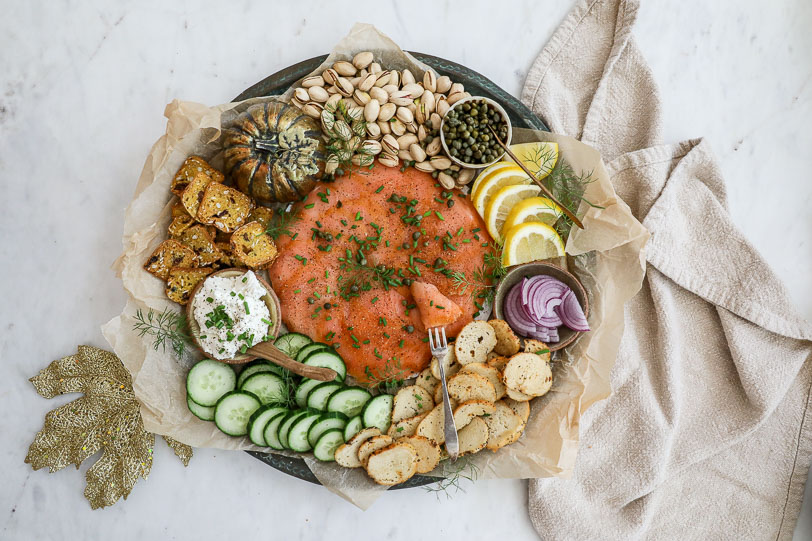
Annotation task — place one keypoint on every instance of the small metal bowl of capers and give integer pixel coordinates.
(465, 136)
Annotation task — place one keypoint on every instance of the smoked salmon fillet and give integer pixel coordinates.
(343, 274)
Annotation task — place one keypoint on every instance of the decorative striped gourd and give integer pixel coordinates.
(274, 152)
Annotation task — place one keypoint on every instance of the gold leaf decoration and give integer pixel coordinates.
(182, 451)
(106, 418)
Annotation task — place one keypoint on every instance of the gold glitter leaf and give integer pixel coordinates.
(106, 418)
(182, 451)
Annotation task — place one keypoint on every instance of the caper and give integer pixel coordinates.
(353, 288)
(416, 234)
(311, 300)
(327, 305)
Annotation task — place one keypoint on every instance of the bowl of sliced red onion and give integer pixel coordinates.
(543, 302)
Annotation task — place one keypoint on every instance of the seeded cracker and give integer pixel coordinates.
(251, 245)
(193, 165)
(168, 254)
(223, 207)
(182, 281)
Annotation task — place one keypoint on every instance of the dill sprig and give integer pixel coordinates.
(290, 381)
(454, 473)
(166, 327)
(565, 184)
(281, 222)
(388, 378)
(360, 276)
(481, 285)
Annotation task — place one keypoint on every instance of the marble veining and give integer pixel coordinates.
(82, 91)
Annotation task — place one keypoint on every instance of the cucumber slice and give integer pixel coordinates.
(291, 343)
(378, 412)
(325, 448)
(267, 386)
(327, 421)
(234, 410)
(318, 397)
(304, 389)
(260, 418)
(310, 348)
(209, 380)
(353, 427)
(287, 424)
(271, 432)
(350, 401)
(297, 437)
(328, 359)
(204, 413)
(252, 368)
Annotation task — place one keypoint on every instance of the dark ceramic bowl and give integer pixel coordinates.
(516, 274)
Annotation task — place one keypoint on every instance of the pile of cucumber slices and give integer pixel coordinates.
(274, 409)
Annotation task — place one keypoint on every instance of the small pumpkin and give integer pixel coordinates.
(274, 152)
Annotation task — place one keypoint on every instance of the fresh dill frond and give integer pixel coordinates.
(166, 327)
(281, 222)
(388, 378)
(567, 186)
(481, 285)
(454, 473)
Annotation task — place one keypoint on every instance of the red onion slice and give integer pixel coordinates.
(514, 312)
(537, 306)
(571, 313)
(540, 294)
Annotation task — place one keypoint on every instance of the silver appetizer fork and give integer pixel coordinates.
(439, 349)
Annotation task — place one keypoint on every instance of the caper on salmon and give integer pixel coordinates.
(466, 132)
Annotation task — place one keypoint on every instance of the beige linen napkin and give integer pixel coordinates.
(707, 434)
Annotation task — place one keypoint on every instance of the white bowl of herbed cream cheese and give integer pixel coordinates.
(230, 311)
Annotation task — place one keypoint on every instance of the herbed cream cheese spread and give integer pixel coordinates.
(231, 314)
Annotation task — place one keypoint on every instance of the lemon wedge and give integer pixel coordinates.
(531, 241)
(539, 157)
(506, 176)
(534, 209)
(486, 172)
(500, 204)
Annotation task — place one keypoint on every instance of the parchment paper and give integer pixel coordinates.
(607, 256)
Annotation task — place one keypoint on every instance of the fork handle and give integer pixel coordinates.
(452, 444)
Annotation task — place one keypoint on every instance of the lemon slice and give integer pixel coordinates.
(501, 203)
(534, 209)
(539, 157)
(487, 171)
(531, 241)
(507, 176)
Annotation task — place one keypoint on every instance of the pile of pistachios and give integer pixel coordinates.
(369, 113)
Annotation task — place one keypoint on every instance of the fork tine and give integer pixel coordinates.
(431, 342)
(444, 343)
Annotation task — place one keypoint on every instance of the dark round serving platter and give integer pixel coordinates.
(475, 83)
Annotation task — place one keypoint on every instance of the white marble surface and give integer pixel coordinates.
(82, 89)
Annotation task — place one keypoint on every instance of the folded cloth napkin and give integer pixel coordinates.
(706, 434)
